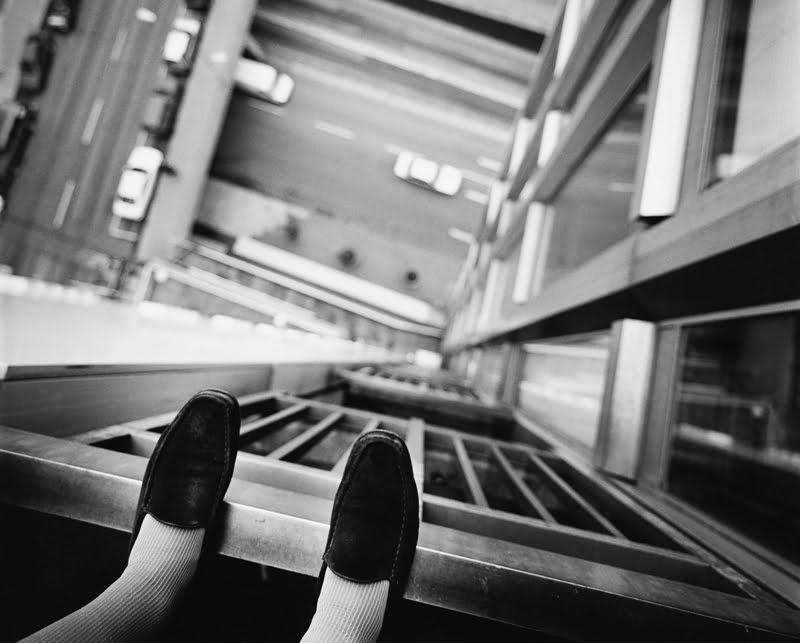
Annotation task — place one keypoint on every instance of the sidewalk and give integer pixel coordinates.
(18, 18)
(194, 142)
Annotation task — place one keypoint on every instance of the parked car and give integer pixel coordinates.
(37, 58)
(425, 173)
(159, 115)
(16, 125)
(180, 45)
(263, 81)
(137, 183)
(62, 15)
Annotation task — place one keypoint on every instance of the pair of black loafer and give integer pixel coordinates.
(375, 518)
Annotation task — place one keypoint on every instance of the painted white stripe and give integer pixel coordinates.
(334, 130)
(395, 149)
(461, 235)
(63, 204)
(91, 122)
(477, 126)
(618, 186)
(493, 165)
(477, 178)
(119, 44)
(477, 197)
(265, 107)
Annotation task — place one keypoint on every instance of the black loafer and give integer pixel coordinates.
(375, 518)
(190, 468)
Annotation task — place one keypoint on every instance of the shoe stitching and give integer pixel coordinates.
(167, 440)
(391, 442)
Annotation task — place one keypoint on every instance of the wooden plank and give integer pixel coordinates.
(371, 425)
(306, 438)
(561, 487)
(251, 430)
(519, 488)
(468, 471)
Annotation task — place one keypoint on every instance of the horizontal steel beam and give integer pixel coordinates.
(481, 576)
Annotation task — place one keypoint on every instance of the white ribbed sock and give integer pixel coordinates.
(348, 612)
(161, 564)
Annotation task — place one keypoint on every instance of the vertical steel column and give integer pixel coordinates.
(624, 406)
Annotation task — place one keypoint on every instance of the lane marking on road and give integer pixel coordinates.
(119, 44)
(489, 131)
(478, 197)
(477, 178)
(461, 235)
(265, 107)
(91, 122)
(493, 165)
(334, 130)
(63, 204)
(395, 149)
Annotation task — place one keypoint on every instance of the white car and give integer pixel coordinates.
(180, 45)
(444, 179)
(263, 81)
(137, 183)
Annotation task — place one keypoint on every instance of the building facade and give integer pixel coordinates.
(632, 286)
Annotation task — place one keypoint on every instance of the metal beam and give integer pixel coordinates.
(563, 489)
(468, 472)
(371, 425)
(476, 575)
(253, 430)
(306, 438)
(519, 488)
(415, 441)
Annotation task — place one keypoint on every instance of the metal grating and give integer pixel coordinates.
(503, 522)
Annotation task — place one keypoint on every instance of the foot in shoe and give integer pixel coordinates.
(371, 543)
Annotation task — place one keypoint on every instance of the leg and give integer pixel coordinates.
(371, 544)
(184, 484)
(161, 564)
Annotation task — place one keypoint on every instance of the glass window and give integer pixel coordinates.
(561, 387)
(591, 213)
(758, 90)
(736, 447)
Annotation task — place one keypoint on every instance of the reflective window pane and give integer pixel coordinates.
(736, 440)
(758, 89)
(561, 387)
(591, 213)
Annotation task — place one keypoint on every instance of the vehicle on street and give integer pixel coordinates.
(137, 183)
(16, 125)
(263, 81)
(36, 61)
(62, 15)
(159, 115)
(444, 179)
(180, 45)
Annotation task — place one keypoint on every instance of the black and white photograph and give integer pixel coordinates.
(357, 321)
